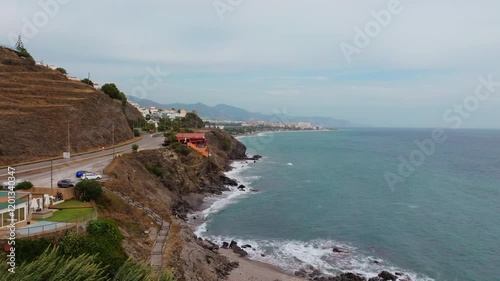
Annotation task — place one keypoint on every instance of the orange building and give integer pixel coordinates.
(196, 141)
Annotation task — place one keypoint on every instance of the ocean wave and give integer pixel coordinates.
(218, 203)
(292, 255)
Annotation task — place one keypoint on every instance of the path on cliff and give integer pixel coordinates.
(156, 260)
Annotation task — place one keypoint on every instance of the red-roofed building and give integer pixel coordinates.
(196, 141)
(191, 137)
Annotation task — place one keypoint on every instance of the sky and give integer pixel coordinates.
(384, 63)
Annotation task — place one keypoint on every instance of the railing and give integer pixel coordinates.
(51, 227)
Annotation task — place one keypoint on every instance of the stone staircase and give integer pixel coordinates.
(156, 260)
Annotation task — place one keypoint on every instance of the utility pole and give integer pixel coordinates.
(51, 178)
(69, 144)
(88, 81)
(113, 140)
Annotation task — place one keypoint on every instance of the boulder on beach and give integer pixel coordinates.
(240, 251)
(246, 246)
(233, 244)
(225, 245)
(387, 276)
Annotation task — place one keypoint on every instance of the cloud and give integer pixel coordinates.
(428, 56)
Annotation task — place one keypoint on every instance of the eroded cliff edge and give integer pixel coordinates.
(163, 180)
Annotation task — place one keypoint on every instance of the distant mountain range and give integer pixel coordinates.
(227, 112)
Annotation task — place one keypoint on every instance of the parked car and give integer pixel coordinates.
(65, 183)
(91, 176)
(79, 174)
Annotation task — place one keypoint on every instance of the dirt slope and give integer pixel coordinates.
(176, 176)
(39, 105)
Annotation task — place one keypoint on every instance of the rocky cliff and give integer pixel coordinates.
(162, 180)
(39, 107)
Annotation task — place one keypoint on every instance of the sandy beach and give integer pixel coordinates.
(254, 270)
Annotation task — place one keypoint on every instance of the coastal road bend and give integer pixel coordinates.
(40, 173)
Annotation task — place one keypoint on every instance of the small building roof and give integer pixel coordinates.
(190, 135)
(5, 205)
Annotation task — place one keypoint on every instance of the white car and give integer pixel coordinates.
(91, 176)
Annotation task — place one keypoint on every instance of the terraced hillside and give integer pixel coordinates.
(38, 106)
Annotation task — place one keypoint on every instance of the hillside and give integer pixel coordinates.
(38, 106)
(171, 184)
(227, 112)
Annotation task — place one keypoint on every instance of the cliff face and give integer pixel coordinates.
(38, 106)
(161, 179)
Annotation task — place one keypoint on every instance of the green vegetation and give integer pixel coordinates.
(88, 82)
(180, 148)
(137, 133)
(52, 266)
(22, 52)
(73, 204)
(132, 271)
(135, 147)
(226, 144)
(186, 124)
(28, 250)
(155, 169)
(71, 215)
(103, 239)
(62, 70)
(170, 136)
(113, 92)
(105, 228)
(87, 190)
(24, 185)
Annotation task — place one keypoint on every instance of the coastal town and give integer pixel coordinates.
(154, 116)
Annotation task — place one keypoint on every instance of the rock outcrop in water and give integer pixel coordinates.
(313, 274)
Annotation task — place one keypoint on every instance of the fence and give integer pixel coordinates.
(44, 226)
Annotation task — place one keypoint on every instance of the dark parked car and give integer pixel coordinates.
(65, 183)
(79, 174)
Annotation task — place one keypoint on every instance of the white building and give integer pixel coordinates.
(20, 208)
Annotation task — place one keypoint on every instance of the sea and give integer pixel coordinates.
(424, 202)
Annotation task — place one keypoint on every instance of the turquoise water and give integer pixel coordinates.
(317, 190)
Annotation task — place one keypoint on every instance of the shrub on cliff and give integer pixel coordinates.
(87, 82)
(87, 190)
(137, 133)
(62, 70)
(113, 92)
(180, 148)
(55, 267)
(135, 147)
(156, 170)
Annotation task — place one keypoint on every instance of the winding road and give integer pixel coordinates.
(40, 173)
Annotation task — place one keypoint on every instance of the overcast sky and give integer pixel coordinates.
(285, 56)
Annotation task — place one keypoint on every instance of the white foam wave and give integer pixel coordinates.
(218, 203)
(292, 255)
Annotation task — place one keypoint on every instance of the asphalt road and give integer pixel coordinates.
(40, 173)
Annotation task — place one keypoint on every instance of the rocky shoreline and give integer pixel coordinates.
(307, 273)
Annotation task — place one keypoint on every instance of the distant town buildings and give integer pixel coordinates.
(154, 114)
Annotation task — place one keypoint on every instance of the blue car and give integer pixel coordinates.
(79, 174)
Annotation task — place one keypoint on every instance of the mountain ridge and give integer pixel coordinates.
(228, 112)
